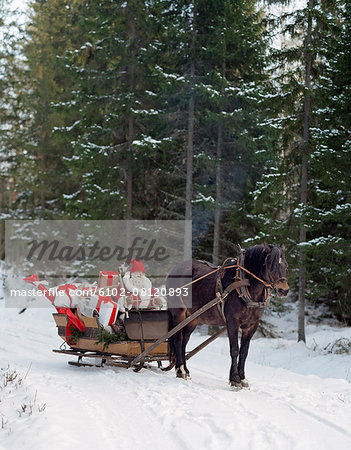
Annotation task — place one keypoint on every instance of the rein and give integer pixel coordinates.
(270, 285)
(241, 285)
(238, 266)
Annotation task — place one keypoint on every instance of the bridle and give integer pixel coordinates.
(243, 291)
(274, 284)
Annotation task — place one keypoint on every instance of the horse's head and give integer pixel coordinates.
(275, 268)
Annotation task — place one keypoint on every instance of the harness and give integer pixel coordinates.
(244, 293)
(241, 284)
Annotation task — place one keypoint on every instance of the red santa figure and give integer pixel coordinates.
(140, 287)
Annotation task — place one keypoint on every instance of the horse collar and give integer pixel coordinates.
(241, 284)
(243, 291)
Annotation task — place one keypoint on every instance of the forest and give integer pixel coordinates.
(233, 114)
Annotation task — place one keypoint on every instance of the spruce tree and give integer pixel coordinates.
(287, 189)
(209, 73)
(114, 97)
(329, 216)
(11, 106)
(39, 172)
(230, 91)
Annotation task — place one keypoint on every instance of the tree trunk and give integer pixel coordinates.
(189, 171)
(217, 221)
(2, 228)
(2, 239)
(130, 167)
(130, 130)
(42, 187)
(129, 181)
(188, 235)
(304, 173)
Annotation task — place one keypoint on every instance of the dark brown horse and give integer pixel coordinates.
(266, 262)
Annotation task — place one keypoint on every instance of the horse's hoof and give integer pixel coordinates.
(244, 383)
(182, 373)
(184, 377)
(235, 386)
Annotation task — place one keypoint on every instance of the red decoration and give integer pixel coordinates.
(108, 278)
(73, 319)
(137, 266)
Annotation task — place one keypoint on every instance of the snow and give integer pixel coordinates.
(321, 240)
(203, 198)
(299, 396)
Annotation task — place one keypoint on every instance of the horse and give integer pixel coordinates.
(261, 267)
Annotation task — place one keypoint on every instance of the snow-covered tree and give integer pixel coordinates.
(329, 244)
(287, 190)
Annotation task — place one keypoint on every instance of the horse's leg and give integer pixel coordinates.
(244, 348)
(232, 329)
(179, 361)
(177, 344)
(187, 330)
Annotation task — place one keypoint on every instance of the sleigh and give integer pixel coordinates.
(143, 328)
(147, 340)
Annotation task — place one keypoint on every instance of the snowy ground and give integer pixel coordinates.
(299, 397)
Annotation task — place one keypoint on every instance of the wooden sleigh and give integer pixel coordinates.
(148, 339)
(142, 327)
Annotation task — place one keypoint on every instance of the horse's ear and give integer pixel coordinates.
(282, 246)
(266, 247)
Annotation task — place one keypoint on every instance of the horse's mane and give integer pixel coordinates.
(255, 258)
